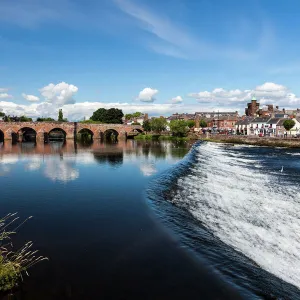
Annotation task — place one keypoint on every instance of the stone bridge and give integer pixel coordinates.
(16, 130)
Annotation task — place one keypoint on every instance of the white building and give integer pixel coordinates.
(243, 126)
(259, 126)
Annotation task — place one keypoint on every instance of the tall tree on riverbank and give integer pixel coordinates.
(60, 116)
(158, 124)
(147, 126)
(179, 128)
(288, 124)
(108, 116)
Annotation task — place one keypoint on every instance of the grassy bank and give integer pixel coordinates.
(269, 142)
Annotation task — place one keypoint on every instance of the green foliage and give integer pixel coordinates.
(203, 124)
(179, 128)
(2, 114)
(109, 116)
(190, 123)
(7, 119)
(25, 119)
(147, 125)
(9, 275)
(158, 124)
(90, 122)
(45, 120)
(137, 114)
(136, 123)
(60, 116)
(134, 115)
(288, 124)
(14, 263)
(128, 116)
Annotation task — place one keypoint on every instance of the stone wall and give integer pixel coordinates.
(253, 140)
(10, 129)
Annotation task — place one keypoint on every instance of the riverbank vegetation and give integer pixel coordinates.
(13, 264)
(178, 130)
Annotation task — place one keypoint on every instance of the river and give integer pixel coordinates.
(155, 220)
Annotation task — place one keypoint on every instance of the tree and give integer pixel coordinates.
(25, 119)
(190, 123)
(158, 124)
(128, 116)
(109, 116)
(99, 115)
(147, 125)
(203, 124)
(60, 116)
(136, 114)
(114, 116)
(2, 114)
(179, 128)
(288, 124)
(45, 120)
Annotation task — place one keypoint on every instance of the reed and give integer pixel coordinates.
(14, 263)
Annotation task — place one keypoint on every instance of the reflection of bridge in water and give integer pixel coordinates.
(59, 160)
(47, 131)
(97, 147)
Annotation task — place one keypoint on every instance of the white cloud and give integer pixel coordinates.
(60, 171)
(176, 100)
(268, 92)
(3, 90)
(59, 94)
(5, 96)
(77, 111)
(148, 169)
(30, 98)
(235, 99)
(270, 87)
(147, 95)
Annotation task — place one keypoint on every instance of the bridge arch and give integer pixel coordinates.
(85, 135)
(86, 131)
(26, 134)
(137, 130)
(110, 135)
(57, 134)
(1, 136)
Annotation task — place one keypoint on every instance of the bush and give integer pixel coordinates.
(179, 128)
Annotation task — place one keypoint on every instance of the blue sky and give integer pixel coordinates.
(155, 56)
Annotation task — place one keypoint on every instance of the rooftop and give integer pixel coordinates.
(260, 120)
(274, 120)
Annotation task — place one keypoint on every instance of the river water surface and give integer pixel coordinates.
(156, 220)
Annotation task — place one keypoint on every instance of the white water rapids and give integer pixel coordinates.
(254, 211)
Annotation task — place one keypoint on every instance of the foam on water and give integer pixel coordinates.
(253, 210)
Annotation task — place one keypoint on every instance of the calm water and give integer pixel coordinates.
(92, 220)
(137, 220)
